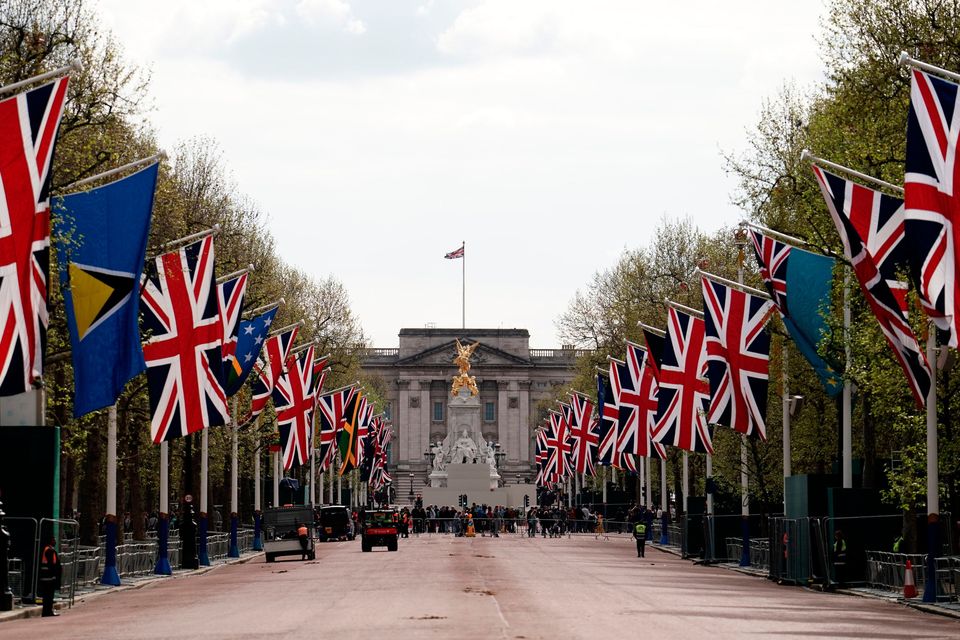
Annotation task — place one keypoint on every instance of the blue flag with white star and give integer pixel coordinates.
(250, 339)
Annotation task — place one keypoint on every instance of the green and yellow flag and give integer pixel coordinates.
(347, 436)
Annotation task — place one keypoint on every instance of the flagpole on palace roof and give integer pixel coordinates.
(463, 290)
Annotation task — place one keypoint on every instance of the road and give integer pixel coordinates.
(510, 587)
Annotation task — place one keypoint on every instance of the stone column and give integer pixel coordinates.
(505, 435)
(426, 416)
(402, 418)
(524, 420)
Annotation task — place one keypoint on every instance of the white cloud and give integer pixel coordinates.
(336, 12)
(537, 129)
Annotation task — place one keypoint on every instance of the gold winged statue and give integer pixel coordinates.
(463, 363)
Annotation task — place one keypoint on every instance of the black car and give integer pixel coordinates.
(379, 530)
(334, 523)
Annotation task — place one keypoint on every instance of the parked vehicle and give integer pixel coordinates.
(334, 523)
(280, 536)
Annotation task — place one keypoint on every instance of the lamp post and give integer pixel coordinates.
(411, 486)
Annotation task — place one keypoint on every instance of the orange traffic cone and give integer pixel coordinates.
(909, 585)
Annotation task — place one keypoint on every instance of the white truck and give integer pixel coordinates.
(280, 537)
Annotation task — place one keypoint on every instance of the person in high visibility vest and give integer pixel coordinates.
(302, 533)
(49, 577)
(640, 534)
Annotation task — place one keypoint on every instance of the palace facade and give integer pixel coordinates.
(512, 380)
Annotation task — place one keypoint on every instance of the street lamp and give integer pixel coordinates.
(411, 486)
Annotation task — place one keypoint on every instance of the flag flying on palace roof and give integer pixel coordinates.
(101, 237)
(180, 314)
(456, 253)
(28, 133)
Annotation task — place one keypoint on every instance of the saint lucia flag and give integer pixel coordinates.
(101, 240)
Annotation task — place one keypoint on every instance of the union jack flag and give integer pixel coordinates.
(379, 476)
(626, 414)
(684, 393)
(230, 296)
(856, 209)
(558, 449)
(294, 403)
(772, 257)
(184, 367)
(28, 134)
(931, 206)
(333, 407)
(583, 433)
(738, 357)
(641, 368)
(269, 367)
(541, 456)
(607, 424)
(456, 253)
(878, 221)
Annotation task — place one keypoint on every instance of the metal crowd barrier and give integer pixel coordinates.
(886, 571)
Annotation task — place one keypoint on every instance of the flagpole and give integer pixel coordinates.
(136, 164)
(163, 525)
(933, 474)
(847, 454)
(648, 494)
(276, 478)
(203, 555)
(786, 424)
(741, 239)
(234, 551)
(110, 575)
(257, 505)
(463, 291)
(76, 65)
(664, 504)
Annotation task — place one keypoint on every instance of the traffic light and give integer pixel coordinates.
(526, 501)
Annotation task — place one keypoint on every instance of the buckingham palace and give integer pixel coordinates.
(511, 378)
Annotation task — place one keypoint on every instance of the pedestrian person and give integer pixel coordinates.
(640, 533)
(51, 573)
(839, 558)
(302, 533)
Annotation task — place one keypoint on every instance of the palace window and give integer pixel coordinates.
(438, 412)
(489, 412)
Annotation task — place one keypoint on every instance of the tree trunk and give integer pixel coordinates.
(92, 486)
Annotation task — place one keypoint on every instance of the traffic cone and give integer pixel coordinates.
(909, 584)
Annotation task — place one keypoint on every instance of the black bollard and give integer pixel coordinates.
(6, 596)
(188, 536)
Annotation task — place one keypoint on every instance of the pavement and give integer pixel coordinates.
(507, 587)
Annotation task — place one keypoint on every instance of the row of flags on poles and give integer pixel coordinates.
(168, 316)
(712, 367)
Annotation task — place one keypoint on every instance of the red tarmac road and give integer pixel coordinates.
(510, 587)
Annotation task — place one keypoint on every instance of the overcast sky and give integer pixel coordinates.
(549, 134)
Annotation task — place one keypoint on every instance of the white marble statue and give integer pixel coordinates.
(491, 456)
(464, 449)
(438, 463)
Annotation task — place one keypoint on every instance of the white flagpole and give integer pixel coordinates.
(641, 476)
(847, 454)
(203, 556)
(463, 294)
(234, 551)
(257, 506)
(664, 504)
(786, 424)
(649, 492)
(76, 65)
(276, 478)
(933, 473)
(686, 480)
(110, 575)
